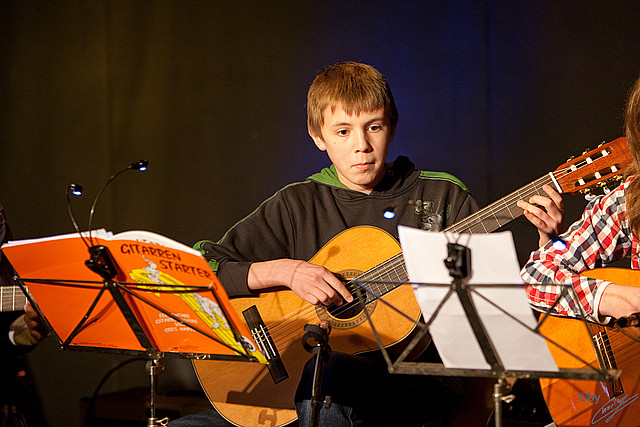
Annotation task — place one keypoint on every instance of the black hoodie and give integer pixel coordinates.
(300, 218)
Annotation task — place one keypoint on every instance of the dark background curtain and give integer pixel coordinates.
(212, 93)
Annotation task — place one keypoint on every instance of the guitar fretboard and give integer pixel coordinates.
(11, 298)
(500, 212)
(384, 277)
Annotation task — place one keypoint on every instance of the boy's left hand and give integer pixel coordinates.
(546, 213)
(29, 329)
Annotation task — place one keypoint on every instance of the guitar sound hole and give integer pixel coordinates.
(346, 310)
(346, 315)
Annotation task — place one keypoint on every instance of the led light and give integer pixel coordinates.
(140, 165)
(389, 213)
(75, 189)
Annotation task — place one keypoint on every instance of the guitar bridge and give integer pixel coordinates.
(262, 337)
(613, 388)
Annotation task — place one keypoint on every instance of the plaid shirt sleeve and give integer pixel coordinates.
(601, 236)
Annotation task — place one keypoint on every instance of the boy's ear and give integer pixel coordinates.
(317, 139)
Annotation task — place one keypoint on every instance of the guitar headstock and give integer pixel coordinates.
(599, 166)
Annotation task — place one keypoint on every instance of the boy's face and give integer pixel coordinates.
(357, 146)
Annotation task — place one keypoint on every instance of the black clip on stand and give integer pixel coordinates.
(102, 263)
(321, 349)
(458, 262)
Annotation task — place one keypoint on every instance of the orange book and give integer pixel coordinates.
(176, 302)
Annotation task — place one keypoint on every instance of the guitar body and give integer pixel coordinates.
(245, 394)
(585, 403)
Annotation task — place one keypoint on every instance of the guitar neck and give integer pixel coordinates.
(11, 298)
(587, 170)
(500, 212)
(385, 277)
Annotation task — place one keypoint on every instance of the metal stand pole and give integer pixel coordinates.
(497, 401)
(320, 334)
(155, 367)
(498, 397)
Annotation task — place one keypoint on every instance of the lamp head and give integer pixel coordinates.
(140, 165)
(75, 189)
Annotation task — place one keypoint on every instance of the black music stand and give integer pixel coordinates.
(126, 297)
(458, 263)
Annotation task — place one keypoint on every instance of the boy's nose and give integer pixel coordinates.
(362, 143)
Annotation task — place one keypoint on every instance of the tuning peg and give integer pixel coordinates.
(571, 158)
(605, 186)
(588, 195)
(602, 143)
(614, 181)
(586, 151)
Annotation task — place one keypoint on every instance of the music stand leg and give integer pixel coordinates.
(497, 402)
(321, 349)
(155, 367)
(498, 397)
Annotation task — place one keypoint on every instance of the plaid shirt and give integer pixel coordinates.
(601, 236)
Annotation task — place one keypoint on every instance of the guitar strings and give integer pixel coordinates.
(283, 328)
(511, 198)
(11, 298)
(281, 325)
(470, 224)
(627, 343)
(392, 264)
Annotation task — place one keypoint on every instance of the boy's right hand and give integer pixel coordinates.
(312, 283)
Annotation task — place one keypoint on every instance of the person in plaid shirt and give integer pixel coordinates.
(606, 232)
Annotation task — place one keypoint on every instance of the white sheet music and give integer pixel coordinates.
(493, 261)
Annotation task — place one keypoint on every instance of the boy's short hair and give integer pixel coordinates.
(356, 87)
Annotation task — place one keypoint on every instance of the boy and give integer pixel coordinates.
(352, 116)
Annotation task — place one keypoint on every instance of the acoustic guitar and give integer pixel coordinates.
(597, 403)
(252, 394)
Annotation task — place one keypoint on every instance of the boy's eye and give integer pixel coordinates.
(374, 128)
(343, 132)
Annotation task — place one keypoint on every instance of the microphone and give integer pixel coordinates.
(628, 321)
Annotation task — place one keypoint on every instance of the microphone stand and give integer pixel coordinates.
(321, 349)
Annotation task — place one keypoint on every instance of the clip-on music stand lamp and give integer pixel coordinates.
(458, 262)
(102, 263)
